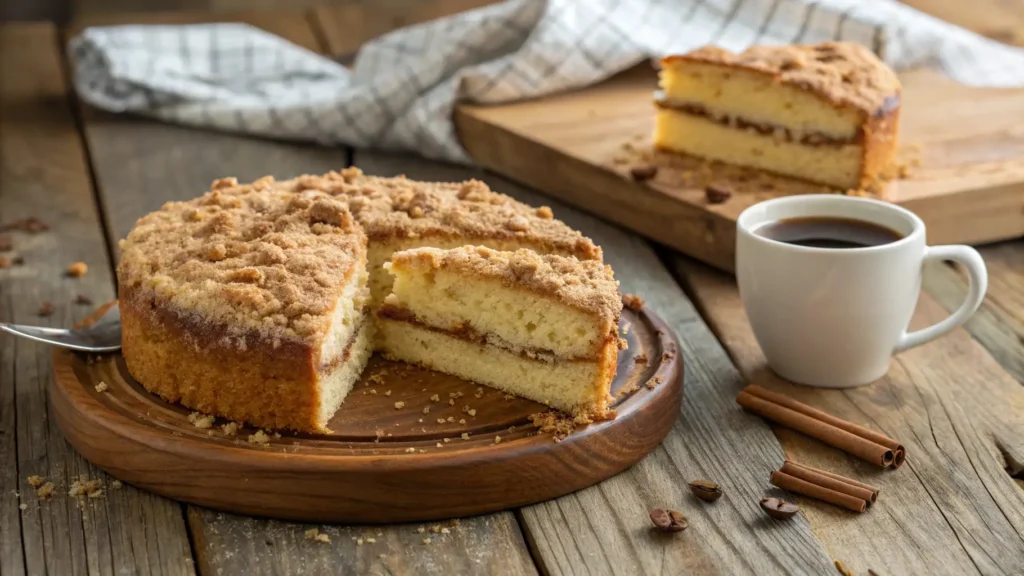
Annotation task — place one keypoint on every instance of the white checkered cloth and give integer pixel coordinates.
(401, 90)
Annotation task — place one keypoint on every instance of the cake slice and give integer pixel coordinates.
(826, 113)
(540, 327)
(248, 303)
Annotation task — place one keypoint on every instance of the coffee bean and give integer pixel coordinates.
(716, 194)
(669, 520)
(779, 509)
(706, 490)
(643, 172)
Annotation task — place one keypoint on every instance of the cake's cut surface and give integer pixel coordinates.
(251, 302)
(826, 113)
(541, 327)
(398, 213)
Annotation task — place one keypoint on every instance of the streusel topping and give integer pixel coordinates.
(398, 208)
(583, 284)
(842, 72)
(250, 257)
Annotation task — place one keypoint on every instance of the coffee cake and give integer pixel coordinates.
(826, 113)
(253, 301)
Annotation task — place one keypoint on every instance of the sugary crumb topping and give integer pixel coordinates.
(846, 73)
(251, 257)
(390, 208)
(587, 285)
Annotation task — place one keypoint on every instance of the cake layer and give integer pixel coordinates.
(839, 165)
(520, 300)
(755, 97)
(580, 387)
(267, 384)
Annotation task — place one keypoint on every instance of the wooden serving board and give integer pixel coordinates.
(579, 146)
(380, 464)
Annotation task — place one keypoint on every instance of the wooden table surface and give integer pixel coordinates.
(957, 404)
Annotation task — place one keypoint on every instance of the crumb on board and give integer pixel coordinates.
(633, 302)
(36, 481)
(102, 387)
(399, 405)
(260, 437)
(78, 269)
(45, 491)
(201, 421)
(230, 429)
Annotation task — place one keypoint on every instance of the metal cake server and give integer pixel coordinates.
(104, 335)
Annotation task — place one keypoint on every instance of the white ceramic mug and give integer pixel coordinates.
(834, 317)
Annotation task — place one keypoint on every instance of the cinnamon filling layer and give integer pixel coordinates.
(340, 359)
(813, 139)
(467, 333)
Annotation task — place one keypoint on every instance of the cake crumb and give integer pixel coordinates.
(451, 402)
(359, 541)
(445, 531)
(558, 424)
(497, 439)
(373, 391)
(451, 419)
(439, 445)
(77, 270)
(508, 396)
(629, 388)
(667, 356)
(410, 450)
(440, 420)
(653, 382)
(447, 440)
(102, 386)
(421, 529)
(260, 437)
(479, 393)
(388, 393)
(312, 533)
(632, 301)
(435, 398)
(116, 484)
(36, 481)
(399, 405)
(426, 409)
(426, 540)
(640, 358)
(371, 540)
(200, 420)
(45, 491)
(436, 528)
(230, 429)
(84, 486)
(472, 412)
(82, 299)
(465, 435)
(23, 507)
(462, 421)
(421, 420)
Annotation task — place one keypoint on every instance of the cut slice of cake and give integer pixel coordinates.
(540, 327)
(826, 113)
(248, 303)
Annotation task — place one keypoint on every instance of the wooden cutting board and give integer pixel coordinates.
(966, 145)
(381, 463)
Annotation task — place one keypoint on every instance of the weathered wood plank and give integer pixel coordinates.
(490, 544)
(346, 27)
(605, 529)
(139, 165)
(952, 508)
(999, 324)
(43, 173)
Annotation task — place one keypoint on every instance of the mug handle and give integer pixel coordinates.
(978, 277)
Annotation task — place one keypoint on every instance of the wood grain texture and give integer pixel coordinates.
(968, 188)
(605, 529)
(999, 324)
(346, 27)
(951, 508)
(490, 544)
(44, 174)
(1001, 20)
(382, 464)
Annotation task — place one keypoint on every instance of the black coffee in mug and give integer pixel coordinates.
(828, 232)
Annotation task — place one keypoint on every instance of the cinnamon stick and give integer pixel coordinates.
(830, 481)
(874, 491)
(794, 484)
(896, 449)
(860, 447)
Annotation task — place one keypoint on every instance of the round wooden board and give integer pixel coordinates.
(381, 464)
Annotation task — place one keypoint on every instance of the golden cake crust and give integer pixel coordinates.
(586, 285)
(398, 208)
(220, 259)
(843, 73)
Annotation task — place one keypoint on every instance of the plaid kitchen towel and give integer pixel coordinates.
(402, 87)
